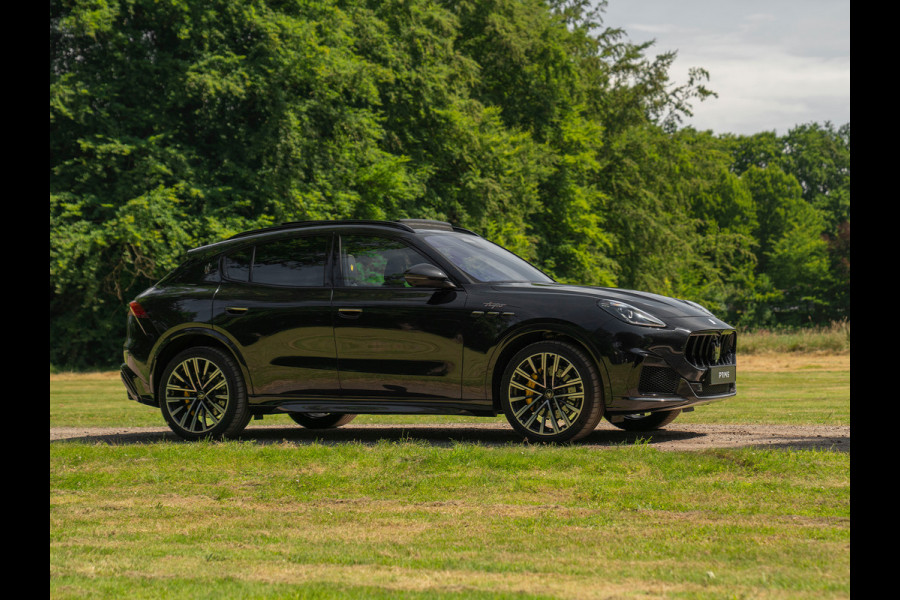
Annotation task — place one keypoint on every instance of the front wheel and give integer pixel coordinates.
(648, 422)
(321, 420)
(551, 392)
(202, 395)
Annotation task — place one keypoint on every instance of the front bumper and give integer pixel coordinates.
(687, 395)
(699, 368)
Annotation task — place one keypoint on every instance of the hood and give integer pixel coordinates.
(663, 307)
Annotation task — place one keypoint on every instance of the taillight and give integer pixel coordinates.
(137, 310)
(139, 313)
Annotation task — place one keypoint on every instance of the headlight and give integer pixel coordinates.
(630, 314)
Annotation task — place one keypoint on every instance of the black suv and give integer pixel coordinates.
(326, 320)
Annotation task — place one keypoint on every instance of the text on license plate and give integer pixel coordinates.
(727, 374)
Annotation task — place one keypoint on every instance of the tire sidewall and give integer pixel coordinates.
(649, 422)
(235, 412)
(329, 421)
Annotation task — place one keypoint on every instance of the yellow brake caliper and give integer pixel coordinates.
(530, 393)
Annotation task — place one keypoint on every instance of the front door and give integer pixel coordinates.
(394, 341)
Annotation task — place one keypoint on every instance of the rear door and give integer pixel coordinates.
(275, 304)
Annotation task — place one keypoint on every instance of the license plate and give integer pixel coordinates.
(727, 374)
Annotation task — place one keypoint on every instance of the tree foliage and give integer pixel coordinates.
(177, 123)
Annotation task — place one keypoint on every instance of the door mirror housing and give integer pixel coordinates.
(426, 275)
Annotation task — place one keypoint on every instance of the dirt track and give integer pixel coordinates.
(674, 437)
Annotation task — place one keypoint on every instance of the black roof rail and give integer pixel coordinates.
(301, 224)
(464, 230)
(432, 224)
(409, 225)
(426, 224)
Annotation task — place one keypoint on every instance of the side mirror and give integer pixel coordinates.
(426, 275)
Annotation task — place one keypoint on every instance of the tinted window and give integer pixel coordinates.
(483, 261)
(293, 262)
(193, 271)
(237, 264)
(376, 261)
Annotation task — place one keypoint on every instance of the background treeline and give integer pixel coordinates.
(176, 123)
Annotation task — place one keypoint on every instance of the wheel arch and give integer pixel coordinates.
(538, 332)
(192, 337)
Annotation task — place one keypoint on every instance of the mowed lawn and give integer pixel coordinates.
(417, 519)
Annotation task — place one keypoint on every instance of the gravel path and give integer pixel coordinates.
(673, 437)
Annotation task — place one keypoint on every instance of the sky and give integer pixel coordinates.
(773, 63)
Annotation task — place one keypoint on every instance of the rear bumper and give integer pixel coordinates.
(134, 385)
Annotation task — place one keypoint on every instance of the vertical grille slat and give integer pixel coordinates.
(699, 350)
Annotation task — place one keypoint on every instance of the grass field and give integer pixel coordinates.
(411, 519)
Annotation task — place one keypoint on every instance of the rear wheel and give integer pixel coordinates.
(321, 420)
(647, 422)
(551, 392)
(202, 395)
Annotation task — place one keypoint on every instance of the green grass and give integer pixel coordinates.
(218, 520)
(834, 338)
(413, 520)
(782, 398)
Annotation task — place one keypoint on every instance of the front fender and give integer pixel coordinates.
(527, 332)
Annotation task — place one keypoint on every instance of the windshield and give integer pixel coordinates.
(482, 260)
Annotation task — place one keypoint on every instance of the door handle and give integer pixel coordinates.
(236, 310)
(350, 313)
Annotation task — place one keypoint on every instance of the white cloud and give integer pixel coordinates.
(773, 64)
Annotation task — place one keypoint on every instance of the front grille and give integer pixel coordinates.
(660, 380)
(711, 349)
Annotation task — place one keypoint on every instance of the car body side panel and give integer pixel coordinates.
(399, 342)
(284, 334)
(500, 317)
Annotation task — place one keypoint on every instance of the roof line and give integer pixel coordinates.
(302, 224)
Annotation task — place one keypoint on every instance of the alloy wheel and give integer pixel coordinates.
(546, 394)
(197, 395)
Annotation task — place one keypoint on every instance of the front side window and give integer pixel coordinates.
(373, 261)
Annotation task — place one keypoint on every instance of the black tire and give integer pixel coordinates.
(202, 395)
(647, 422)
(535, 380)
(322, 420)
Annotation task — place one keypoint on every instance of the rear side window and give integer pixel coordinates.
(295, 262)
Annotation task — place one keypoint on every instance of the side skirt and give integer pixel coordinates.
(373, 407)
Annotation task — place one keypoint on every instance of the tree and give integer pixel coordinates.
(174, 124)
